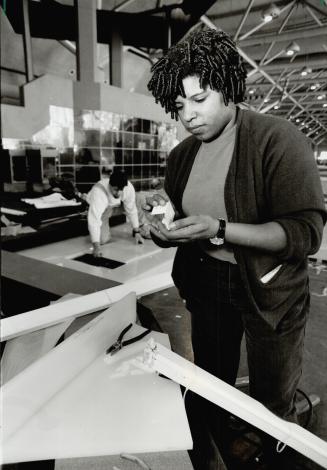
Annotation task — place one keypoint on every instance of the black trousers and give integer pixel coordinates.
(221, 314)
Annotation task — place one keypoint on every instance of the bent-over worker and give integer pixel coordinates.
(103, 197)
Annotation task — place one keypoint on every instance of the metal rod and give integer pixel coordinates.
(263, 72)
(287, 36)
(281, 52)
(314, 16)
(269, 106)
(69, 46)
(314, 7)
(243, 20)
(266, 98)
(287, 17)
(270, 92)
(122, 5)
(319, 142)
(313, 130)
(263, 23)
(290, 112)
(271, 45)
(266, 75)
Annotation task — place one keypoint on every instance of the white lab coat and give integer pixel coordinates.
(101, 202)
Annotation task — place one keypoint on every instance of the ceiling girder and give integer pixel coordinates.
(286, 36)
(263, 72)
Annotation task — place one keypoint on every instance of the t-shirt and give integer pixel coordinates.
(204, 191)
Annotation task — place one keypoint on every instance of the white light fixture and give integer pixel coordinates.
(276, 106)
(297, 120)
(324, 105)
(266, 100)
(251, 91)
(270, 13)
(321, 97)
(306, 71)
(292, 48)
(313, 87)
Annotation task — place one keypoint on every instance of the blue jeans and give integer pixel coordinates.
(221, 314)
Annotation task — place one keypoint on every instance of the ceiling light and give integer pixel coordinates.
(251, 91)
(313, 87)
(266, 100)
(267, 18)
(306, 71)
(297, 120)
(321, 97)
(270, 13)
(292, 48)
(324, 105)
(276, 106)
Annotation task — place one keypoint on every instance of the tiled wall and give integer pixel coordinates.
(85, 146)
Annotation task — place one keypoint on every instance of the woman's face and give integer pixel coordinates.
(203, 112)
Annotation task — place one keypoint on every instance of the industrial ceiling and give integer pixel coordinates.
(284, 45)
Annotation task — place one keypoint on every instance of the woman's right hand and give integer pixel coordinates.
(153, 201)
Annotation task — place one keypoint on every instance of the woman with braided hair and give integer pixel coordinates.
(249, 210)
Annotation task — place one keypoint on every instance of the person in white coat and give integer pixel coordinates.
(103, 197)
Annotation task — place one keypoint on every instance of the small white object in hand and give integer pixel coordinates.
(168, 212)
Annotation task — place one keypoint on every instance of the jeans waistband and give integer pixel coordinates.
(205, 258)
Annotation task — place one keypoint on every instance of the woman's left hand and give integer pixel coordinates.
(195, 227)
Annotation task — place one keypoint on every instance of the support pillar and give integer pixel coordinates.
(116, 59)
(27, 44)
(86, 43)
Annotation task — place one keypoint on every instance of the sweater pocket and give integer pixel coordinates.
(271, 275)
(272, 283)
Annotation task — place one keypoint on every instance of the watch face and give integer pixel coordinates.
(217, 241)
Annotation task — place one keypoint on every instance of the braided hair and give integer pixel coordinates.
(212, 56)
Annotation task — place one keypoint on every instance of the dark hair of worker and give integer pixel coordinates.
(212, 56)
(118, 179)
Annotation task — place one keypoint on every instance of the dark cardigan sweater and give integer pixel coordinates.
(272, 177)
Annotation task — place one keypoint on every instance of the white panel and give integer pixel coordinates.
(76, 401)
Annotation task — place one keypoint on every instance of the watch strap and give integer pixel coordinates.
(221, 229)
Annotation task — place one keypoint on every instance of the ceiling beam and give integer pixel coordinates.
(301, 33)
(265, 74)
(317, 60)
(297, 93)
(290, 82)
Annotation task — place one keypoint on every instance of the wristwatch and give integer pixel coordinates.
(219, 238)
